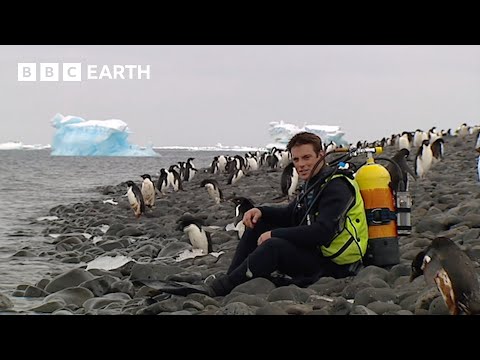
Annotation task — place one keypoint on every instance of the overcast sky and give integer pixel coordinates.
(203, 95)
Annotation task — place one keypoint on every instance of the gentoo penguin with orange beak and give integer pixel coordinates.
(443, 263)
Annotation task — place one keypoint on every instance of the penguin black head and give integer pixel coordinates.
(209, 181)
(130, 183)
(188, 219)
(244, 204)
(417, 265)
(146, 176)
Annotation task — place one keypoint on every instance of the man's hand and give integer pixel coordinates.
(264, 237)
(251, 217)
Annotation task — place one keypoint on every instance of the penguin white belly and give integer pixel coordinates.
(253, 165)
(198, 238)
(403, 143)
(418, 167)
(237, 177)
(170, 179)
(240, 228)
(148, 192)
(426, 159)
(132, 199)
(294, 183)
(213, 193)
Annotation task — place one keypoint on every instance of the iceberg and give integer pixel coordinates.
(281, 133)
(18, 145)
(79, 137)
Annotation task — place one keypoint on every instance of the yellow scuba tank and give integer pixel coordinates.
(373, 180)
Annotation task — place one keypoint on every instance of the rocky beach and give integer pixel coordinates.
(141, 256)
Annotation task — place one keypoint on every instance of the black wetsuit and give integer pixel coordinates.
(294, 248)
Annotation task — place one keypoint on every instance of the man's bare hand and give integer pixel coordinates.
(251, 217)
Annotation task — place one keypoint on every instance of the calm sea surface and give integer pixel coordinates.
(32, 182)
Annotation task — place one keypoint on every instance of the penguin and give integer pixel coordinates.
(174, 178)
(148, 190)
(189, 170)
(163, 182)
(401, 159)
(404, 141)
(213, 189)
(444, 264)
(235, 176)
(222, 162)
(135, 198)
(199, 238)
(289, 180)
(251, 162)
(242, 205)
(418, 138)
(463, 130)
(182, 169)
(214, 166)
(423, 160)
(437, 150)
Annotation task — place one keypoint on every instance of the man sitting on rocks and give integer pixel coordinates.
(322, 233)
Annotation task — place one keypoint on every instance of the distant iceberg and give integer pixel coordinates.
(18, 145)
(281, 133)
(218, 147)
(78, 137)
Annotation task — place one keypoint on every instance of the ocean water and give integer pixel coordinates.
(33, 182)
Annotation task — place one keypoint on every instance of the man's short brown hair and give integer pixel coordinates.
(303, 138)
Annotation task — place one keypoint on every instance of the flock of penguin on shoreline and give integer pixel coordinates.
(442, 262)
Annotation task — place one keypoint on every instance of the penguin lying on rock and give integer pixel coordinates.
(443, 263)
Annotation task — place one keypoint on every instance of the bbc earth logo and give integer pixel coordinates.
(73, 72)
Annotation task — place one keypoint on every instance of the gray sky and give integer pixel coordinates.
(202, 95)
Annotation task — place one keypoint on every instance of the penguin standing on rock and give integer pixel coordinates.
(242, 205)
(199, 238)
(423, 160)
(443, 263)
(401, 159)
(148, 190)
(213, 189)
(289, 180)
(174, 178)
(135, 198)
(163, 181)
(437, 150)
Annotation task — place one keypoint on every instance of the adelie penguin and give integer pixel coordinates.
(163, 181)
(289, 180)
(199, 238)
(242, 205)
(213, 189)
(190, 170)
(135, 198)
(400, 158)
(174, 178)
(444, 264)
(236, 175)
(423, 160)
(148, 190)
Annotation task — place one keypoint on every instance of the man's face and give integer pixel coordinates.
(304, 159)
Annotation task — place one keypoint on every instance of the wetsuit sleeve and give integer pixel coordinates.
(337, 197)
(281, 215)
